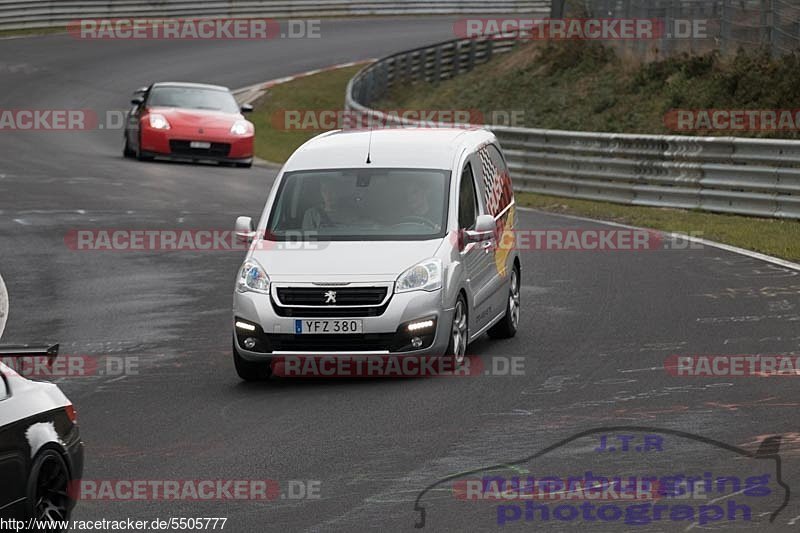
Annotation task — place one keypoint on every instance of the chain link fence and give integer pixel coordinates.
(699, 26)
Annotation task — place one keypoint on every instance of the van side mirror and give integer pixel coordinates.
(244, 230)
(485, 226)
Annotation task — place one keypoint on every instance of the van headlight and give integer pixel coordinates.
(253, 278)
(424, 276)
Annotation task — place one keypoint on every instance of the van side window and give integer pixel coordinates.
(467, 200)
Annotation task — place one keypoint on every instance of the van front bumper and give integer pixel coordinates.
(386, 334)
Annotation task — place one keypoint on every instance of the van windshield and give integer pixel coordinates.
(360, 204)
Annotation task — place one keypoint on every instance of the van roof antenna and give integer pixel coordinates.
(369, 146)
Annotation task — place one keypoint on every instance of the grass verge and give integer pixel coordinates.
(584, 86)
(320, 91)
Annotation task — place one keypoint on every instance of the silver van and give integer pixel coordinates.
(395, 242)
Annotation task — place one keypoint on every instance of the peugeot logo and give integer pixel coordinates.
(330, 297)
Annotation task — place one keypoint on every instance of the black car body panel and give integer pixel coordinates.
(24, 435)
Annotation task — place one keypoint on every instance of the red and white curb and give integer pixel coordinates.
(247, 95)
(251, 93)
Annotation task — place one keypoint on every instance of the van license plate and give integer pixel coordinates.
(328, 327)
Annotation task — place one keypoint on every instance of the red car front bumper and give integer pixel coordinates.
(180, 142)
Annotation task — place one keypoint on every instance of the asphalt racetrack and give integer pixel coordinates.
(596, 327)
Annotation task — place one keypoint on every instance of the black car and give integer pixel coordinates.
(41, 452)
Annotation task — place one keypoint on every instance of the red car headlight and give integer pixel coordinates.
(158, 122)
(241, 127)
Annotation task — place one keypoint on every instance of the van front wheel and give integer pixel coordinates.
(459, 332)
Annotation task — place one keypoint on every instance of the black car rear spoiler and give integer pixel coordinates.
(30, 350)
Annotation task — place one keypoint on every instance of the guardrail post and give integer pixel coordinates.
(456, 59)
(383, 80)
(642, 45)
(765, 34)
(669, 26)
(423, 64)
(370, 87)
(471, 61)
(358, 90)
(437, 65)
(396, 71)
(796, 39)
(401, 75)
(774, 28)
(725, 27)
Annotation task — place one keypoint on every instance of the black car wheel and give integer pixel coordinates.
(127, 151)
(48, 485)
(140, 155)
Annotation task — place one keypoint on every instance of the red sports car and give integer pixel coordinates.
(189, 121)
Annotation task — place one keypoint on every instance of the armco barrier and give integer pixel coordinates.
(721, 174)
(24, 14)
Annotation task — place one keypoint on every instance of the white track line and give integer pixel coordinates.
(3, 305)
(728, 248)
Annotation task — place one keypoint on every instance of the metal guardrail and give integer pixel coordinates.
(720, 174)
(25, 14)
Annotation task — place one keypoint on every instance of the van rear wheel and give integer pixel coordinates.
(507, 327)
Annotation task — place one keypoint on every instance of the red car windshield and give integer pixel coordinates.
(192, 98)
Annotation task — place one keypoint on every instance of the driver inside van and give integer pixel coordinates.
(419, 204)
(324, 214)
